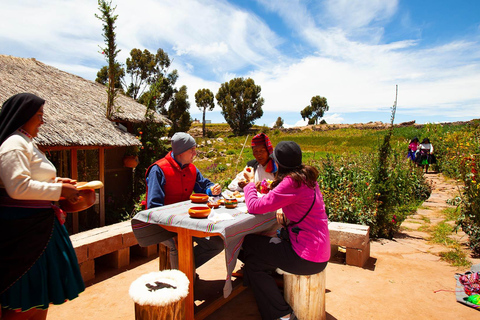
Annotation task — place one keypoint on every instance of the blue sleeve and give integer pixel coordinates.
(156, 187)
(202, 184)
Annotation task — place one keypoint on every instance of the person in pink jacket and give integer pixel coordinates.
(307, 249)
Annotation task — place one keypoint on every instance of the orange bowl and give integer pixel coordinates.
(85, 201)
(199, 197)
(213, 205)
(199, 212)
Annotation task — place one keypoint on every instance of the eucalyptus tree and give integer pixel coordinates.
(316, 109)
(178, 112)
(241, 103)
(204, 99)
(279, 123)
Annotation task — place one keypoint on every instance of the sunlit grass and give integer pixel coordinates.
(451, 214)
(440, 234)
(456, 257)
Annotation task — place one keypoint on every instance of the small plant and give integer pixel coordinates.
(441, 232)
(456, 257)
(451, 214)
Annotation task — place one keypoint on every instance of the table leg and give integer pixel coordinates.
(186, 265)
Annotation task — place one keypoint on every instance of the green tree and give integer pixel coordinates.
(178, 112)
(140, 66)
(279, 123)
(110, 51)
(204, 100)
(153, 148)
(316, 109)
(102, 76)
(145, 68)
(241, 103)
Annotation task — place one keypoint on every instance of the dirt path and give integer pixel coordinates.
(399, 281)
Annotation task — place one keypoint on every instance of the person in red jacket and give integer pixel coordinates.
(173, 179)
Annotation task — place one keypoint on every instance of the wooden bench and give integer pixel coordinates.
(355, 238)
(110, 244)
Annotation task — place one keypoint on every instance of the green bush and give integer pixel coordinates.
(351, 194)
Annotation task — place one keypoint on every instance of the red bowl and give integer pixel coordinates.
(85, 201)
(199, 212)
(199, 197)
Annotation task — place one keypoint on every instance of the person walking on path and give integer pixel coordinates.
(426, 156)
(413, 148)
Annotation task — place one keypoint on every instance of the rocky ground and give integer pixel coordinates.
(404, 279)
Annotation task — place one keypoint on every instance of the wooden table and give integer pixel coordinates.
(156, 225)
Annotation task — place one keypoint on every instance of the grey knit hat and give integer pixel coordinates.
(181, 142)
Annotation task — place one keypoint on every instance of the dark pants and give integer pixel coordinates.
(205, 250)
(262, 257)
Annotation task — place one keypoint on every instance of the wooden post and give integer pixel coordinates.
(101, 173)
(74, 166)
(163, 257)
(306, 295)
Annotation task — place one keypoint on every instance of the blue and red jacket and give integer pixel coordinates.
(168, 182)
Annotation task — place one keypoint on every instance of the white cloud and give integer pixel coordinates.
(342, 55)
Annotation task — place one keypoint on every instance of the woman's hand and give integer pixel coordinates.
(216, 189)
(70, 192)
(67, 180)
(249, 177)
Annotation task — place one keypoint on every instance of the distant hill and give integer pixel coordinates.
(216, 129)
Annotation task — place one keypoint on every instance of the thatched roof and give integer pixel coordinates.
(74, 112)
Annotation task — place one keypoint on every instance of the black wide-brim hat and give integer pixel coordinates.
(287, 154)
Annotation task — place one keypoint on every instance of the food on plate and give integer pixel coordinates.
(249, 169)
(237, 194)
(95, 184)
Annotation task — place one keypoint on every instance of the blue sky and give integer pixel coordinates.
(353, 52)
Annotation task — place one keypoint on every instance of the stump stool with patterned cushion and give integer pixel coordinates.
(160, 295)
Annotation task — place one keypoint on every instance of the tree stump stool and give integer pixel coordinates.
(305, 294)
(160, 295)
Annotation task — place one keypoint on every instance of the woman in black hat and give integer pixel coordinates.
(38, 264)
(304, 246)
(426, 156)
